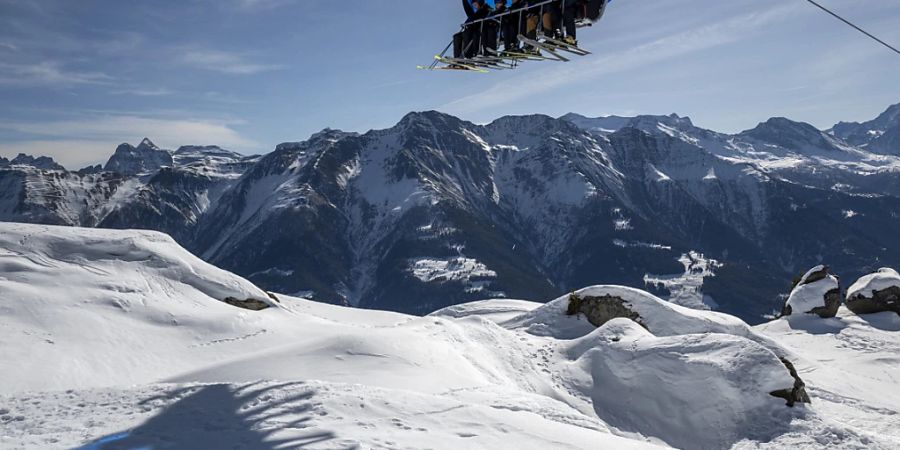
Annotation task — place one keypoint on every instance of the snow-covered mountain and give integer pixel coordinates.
(437, 211)
(881, 135)
(123, 339)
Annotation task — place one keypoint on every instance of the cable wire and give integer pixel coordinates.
(854, 26)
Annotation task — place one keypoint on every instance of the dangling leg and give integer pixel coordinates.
(489, 38)
(551, 20)
(570, 8)
(458, 45)
(509, 31)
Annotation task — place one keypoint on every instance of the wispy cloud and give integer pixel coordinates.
(48, 73)
(261, 4)
(668, 47)
(9, 46)
(170, 133)
(224, 62)
(144, 92)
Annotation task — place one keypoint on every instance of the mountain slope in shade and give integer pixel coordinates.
(141, 349)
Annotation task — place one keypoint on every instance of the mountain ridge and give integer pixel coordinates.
(437, 210)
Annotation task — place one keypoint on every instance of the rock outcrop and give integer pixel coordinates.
(876, 292)
(249, 304)
(601, 309)
(818, 292)
(796, 394)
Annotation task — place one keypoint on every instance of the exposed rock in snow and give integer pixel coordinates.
(796, 393)
(658, 316)
(818, 292)
(876, 292)
(602, 309)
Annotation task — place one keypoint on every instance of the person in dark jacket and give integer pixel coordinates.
(492, 28)
(467, 43)
(512, 24)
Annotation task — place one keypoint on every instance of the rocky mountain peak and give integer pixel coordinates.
(789, 134)
(145, 158)
(881, 134)
(147, 143)
(427, 122)
(41, 162)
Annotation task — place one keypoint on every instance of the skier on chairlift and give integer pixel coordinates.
(467, 43)
(546, 15)
(512, 24)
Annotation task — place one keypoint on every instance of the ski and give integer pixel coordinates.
(518, 56)
(566, 47)
(453, 62)
(463, 69)
(543, 47)
(495, 61)
(481, 61)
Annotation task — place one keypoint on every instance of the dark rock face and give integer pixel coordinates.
(878, 301)
(833, 300)
(249, 304)
(41, 162)
(599, 310)
(796, 394)
(816, 275)
(90, 170)
(145, 158)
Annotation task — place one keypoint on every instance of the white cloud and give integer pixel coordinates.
(223, 62)
(92, 140)
(48, 73)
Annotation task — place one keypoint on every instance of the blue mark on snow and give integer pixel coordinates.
(100, 443)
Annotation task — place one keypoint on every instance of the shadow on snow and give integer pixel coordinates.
(221, 416)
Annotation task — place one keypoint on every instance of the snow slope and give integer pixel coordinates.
(850, 365)
(122, 340)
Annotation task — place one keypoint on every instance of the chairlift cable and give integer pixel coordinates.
(854, 26)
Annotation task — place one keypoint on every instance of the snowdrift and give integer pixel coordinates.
(87, 307)
(121, 339)
(659, 317)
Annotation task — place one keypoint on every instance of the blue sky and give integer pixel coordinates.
(79, 77)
